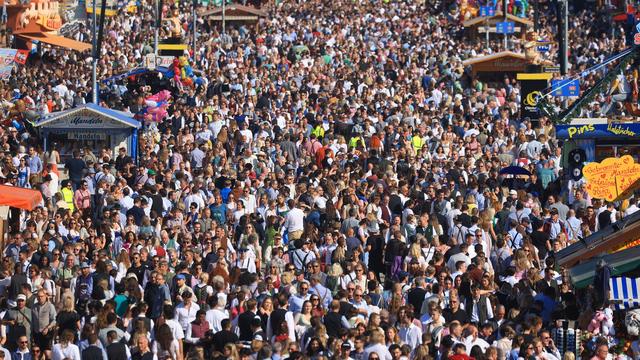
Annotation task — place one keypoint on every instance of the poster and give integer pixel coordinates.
(7, 61)
(531, 90)
(613, 178)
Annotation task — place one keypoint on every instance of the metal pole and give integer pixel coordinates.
(155, 35)
(224, 9)
(565, 39)
(94, 70)
(195, 28)
(486, 29)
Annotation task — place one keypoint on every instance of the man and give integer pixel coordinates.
(454, 312)
(94, 351)
(83, 288)
(43, 315)
(498, 318)
(293, 222)
(302, 295)
(601, 353)
(244, 320)
(35, 165)
(333, 321)
(75, 169)
(112, 320)
(187, 310)
(224, 336)
(18, 322)
(478, 307)
(22, 351)
(217, 313)
(279, 316)
(377, 347)
(197, 329)
(303, 256)
(116, 350)
(409, 332)
(154, 296)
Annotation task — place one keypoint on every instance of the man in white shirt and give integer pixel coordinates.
(294, 221)
(215, 315)
(186, 310)
(409, 333)
(303, 256)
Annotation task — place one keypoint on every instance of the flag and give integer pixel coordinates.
(21, 56)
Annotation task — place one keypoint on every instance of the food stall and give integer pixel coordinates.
(90, 125)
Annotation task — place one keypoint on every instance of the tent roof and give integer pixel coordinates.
(235, 9)
(56, 41)
(117, 116)
(20, 198)
(601, 242)
(498, 55)
(496, 18)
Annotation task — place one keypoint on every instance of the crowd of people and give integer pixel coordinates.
(330, 192)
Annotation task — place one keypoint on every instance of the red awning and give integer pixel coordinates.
(25, 199)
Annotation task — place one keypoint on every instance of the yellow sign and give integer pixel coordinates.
(612, 179)
(532, 98)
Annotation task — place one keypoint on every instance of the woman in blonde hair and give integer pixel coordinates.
(66, 349)
(522, 263)
(415, 252)
(68, 318)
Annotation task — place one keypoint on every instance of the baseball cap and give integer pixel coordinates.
(84, 265)
(21, 297)
(513, 192)
(180, 277)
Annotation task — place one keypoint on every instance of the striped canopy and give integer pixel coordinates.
(624, 292)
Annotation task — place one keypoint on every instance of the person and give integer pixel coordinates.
(18, 322)
(22, 351)
(166, 346)
(43, 316)
(75, 168)
(377, 347)
(66, 349)
(142, 349)
(94, 350)
(116, 350)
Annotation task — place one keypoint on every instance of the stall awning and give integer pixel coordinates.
(620, 262)
(624, 292)
(56, 41)
(25, 199)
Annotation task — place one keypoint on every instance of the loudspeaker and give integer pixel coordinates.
(577, 157)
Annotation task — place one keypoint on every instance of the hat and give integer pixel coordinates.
(346, 345)
(180, 277)
(84, 265)
(21, 297)
(132, 276)
(513, 192)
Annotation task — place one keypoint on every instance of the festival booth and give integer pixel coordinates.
(235, 14)
(93, 126)
(474, 27)
(38, 21)
(600, 138)
(495, 67)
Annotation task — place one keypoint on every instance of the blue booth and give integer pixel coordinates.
(600, 138)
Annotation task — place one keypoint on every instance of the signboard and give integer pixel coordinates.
(82, 119)
(151, 61)
(110, 10)
(532, 88)
(505, 27)
(7, 61)
(78, 135)
(551, 69)
(543, 46)
(592, 131)
(487, 11)
(43, 13)
(612, 179)
(566, 87)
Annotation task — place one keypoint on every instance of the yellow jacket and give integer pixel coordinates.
(67, 196)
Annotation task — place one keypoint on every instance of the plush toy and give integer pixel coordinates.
(632, 322)
(467, 10)
(154, 107)
(602, 323)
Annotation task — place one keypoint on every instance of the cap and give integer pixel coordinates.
(21, 297)
(132, 276)
(513, 192)
(84, 265)
(180, 277)
(346, 345)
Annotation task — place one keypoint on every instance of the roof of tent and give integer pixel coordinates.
(20, 198)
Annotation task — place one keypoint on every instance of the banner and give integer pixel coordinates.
(7, 61)
(612, 179)
(594, 131)
(532, 86)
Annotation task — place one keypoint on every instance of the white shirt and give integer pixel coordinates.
(411, 335)
(294, 221)
(71, 351)
(214, 317)
(379, 349)
(186, 316)
(176, 329)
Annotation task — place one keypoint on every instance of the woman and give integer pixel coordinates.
(315, 348)
(165, 346)
(66, 349)
(131, 226)
(23, 173)
(392, 336)
(302, 319)
(203, 290)
(124, 263)
(264, 311)
(142, 350)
